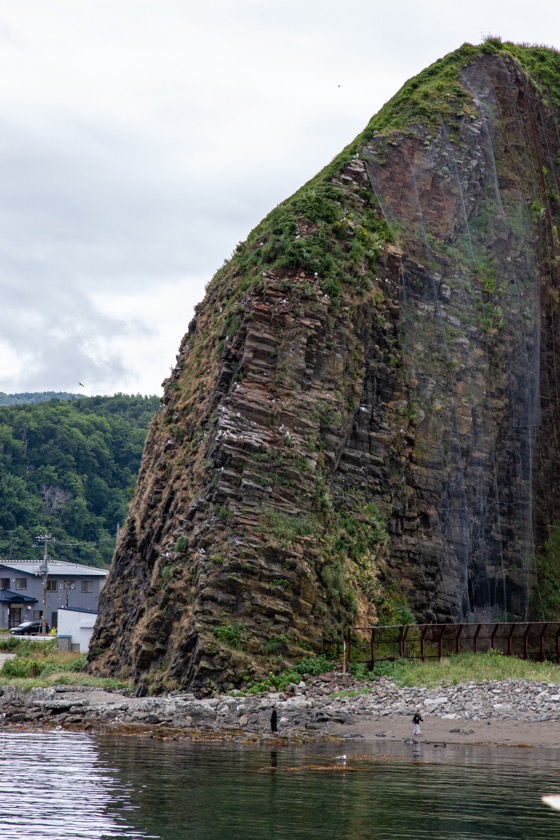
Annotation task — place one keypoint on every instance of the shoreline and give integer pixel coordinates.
(332, 707)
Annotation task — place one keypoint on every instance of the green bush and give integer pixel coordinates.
(394, 607)
(76, 664)
(308, 666)
(41, 664)
(278, 644)
(22, 668)
(314, 665)
(360, 671)
(228, 633)
(181, 545)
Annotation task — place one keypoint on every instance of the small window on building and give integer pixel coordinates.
(87, 586)
(4, 583)
(52, 586)
(21, 583)
(37, 614)
(69, 584)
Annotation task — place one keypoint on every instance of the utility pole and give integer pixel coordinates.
(44, 571)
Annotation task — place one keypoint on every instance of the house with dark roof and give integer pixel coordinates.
(25, 587)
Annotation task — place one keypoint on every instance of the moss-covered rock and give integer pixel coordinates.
(363, 419)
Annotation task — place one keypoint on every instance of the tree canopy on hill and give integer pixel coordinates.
(35, 397)
(68, 468)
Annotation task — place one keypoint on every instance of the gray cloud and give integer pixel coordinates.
(139, 142)
(58, 336)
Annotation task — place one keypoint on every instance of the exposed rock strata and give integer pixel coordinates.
(364, 411)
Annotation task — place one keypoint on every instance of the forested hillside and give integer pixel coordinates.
(68, 468)
(35, 397)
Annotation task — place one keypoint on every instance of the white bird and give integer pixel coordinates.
(553, 801)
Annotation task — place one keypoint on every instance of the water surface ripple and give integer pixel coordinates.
(53, 786)
(62, 786)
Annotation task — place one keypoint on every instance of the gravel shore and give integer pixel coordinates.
(512, 713)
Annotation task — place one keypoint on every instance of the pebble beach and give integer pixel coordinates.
(513, 713)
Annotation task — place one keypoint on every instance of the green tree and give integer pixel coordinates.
(67, 466)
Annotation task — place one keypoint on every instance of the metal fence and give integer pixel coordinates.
(527, 640)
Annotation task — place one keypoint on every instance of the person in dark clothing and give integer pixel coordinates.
(274, 720)
(417, 720)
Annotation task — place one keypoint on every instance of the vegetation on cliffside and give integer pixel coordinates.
(547, 591)
(354, 429)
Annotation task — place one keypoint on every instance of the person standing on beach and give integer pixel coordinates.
(274, 720)
(417, 720)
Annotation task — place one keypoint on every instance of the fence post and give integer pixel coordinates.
(440, 642)
(422, 638)
(402, 641)
(458, 637)
(372, 649)
(476, 632)
(510, 637)
(543, 631)
(525, 642)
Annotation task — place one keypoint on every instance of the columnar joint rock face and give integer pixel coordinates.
(363, 415)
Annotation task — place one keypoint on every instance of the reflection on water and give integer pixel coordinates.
(53, 786)
(67, 786)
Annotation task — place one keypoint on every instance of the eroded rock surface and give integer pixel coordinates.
(363, 417)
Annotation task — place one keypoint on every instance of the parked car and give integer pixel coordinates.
(29, 628)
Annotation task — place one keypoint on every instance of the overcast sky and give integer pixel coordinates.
(140, 140)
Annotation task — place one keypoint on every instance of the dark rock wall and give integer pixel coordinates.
(312, 452)
(475, 219)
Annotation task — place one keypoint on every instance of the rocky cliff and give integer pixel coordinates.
(362, 422)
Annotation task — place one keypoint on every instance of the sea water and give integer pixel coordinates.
(58, 785)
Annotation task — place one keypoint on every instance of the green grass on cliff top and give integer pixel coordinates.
(433, 96)
(437, 93)
(337, 256)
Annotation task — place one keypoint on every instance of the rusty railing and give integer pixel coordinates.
(526, 640)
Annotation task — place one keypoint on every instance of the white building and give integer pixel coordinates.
(75, 626)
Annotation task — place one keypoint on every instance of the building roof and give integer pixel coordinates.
(56, 567)
(10, 597)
